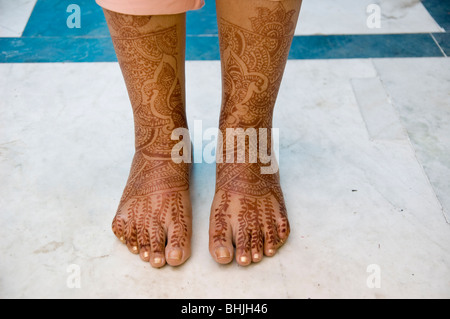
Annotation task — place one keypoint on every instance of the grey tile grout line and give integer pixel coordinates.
(437, 43)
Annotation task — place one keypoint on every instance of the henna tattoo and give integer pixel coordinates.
(220, 219)
(150, 61)
(180, 226)
(253, 63)
(143, 223)
(269, 215)
(250, 224)
(253, 66)
(130, 226)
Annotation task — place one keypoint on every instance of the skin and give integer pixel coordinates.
(248, 214)
(248, 211)
(154, 214)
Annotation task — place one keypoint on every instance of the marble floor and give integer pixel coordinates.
(344, 17)
(364, 154)
(14, 16)
(355, 198)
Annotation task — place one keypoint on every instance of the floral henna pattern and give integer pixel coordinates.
(253, 63)
(153, 196)
(220, 219)
(253, 66)
(250, 224)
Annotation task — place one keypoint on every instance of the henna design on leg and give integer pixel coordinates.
(150, 51)
(253, 61)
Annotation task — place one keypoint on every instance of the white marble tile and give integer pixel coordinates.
(350, 17)
(385, 221)
(420, 91)
(14, 16)
(66, 142)
(382, 120)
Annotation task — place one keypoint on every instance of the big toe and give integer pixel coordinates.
(176, 256)
(178, 248)
(221, 245)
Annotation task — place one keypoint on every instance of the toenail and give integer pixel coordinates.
(256, 256)
(243, 259)
(271, 252)
(122, 239)
(175, 254)
(222, 252)
(157, 260)
(135, 248)
(146, 254)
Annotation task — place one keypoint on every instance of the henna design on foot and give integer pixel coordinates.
(248, 208)
(154, 214)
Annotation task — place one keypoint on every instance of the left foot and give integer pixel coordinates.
(248, 211)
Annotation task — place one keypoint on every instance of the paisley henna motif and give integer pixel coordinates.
(253, 63)
(150, 62)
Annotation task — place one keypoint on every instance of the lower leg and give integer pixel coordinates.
(248, 209)
(155, 206)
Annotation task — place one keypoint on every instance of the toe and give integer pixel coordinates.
(157, 246)
(157, 259)
(243, 257)
(270, 239)
(243, 248)
(283, 230)
(270, 250)
(275, 235)
(130, 234)
(176, 256)
(271, 242)
(144, 253)
(222, 254)
(118, 226)
(257, 246)
(221, 242)
(179, 229)
(133, 248)
(143, 235)
(178, 248)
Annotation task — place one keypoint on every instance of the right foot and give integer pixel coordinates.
(155, 208)
(154, 214)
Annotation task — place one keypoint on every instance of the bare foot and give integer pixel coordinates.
(248, 212)
(154, 214)
(154, 217)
